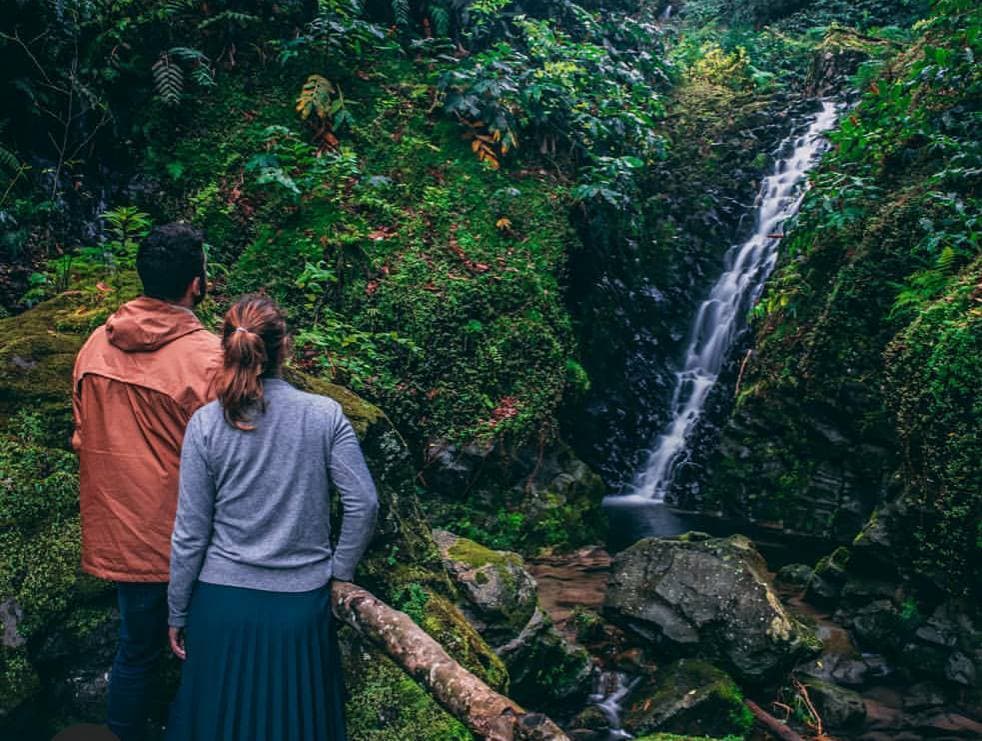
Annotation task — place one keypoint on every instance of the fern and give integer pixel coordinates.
(8, 160)
(441, 20)
(400, 10)
(168, 79)
(171, 8)
(232, 17)
(202, 72)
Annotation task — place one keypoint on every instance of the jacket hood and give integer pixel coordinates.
(147, 324)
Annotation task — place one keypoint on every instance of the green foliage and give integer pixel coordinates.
(591, 86)
(412, 600)
(933, 367)
(107, 268)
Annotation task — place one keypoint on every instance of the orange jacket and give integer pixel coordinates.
(137, 381)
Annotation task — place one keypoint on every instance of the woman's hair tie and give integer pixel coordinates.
(241, 329)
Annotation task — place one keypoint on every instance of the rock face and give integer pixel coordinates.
(690, 697)
(552, 496)
(707, 597)
(501, 600)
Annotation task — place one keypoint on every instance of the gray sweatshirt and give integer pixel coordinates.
(253, 509)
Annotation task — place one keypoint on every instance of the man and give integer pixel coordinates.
(137, 381)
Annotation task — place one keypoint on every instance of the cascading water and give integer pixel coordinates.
(721, 316)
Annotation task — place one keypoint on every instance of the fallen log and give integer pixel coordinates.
(487, 713)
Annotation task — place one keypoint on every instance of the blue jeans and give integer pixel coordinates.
(142, 639)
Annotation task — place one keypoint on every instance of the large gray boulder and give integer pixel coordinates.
(707, 597)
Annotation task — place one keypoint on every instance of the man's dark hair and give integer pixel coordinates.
(169, 258)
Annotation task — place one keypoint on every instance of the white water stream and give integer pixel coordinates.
(721, 316)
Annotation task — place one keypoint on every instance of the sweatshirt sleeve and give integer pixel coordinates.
(359, 499)
(193, 525)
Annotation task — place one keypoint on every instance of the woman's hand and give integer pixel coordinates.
(176, 636)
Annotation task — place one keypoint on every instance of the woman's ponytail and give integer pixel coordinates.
(254, 342)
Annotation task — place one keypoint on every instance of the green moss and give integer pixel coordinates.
(18, 680)
(384, 703)
(448, 626)
(476, 555)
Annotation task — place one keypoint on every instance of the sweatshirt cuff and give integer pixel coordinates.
(176, 621)
(343, 573)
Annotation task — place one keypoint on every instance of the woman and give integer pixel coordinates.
(251, 559)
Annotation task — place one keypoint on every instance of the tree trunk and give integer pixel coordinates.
(487, 713)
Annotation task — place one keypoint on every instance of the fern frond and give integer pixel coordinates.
(232, 17)
(441, 19)
(187, 54)
(202, 72)
(168, 79)
(947, 259)
(400, 10)
(170, 8)
(8, 160)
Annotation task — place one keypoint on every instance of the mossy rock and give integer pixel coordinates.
(689, 697)
(501, 593)
(502, 601)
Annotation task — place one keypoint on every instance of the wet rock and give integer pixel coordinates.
(794, 577)
(924, 695)
(960, 669)
(829, 578)
(710, 599)
(839, 708)
(880, 625)
(860, 590)
(591, 724)
(10, 615)
(690, 697)
(501, 600)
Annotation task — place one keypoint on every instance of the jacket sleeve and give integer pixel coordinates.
(192, 526)
(76, 412)
(359, 499)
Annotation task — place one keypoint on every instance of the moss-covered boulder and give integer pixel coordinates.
(689, 697)
(710, 598)
(58, 625)
(501, 599)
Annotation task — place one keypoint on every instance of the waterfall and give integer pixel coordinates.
(721, 316)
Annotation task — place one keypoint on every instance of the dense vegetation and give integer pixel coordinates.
(870, 328)
(478, 216)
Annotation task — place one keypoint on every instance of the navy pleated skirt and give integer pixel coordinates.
(261, 666)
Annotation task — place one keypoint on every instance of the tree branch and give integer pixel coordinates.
(772, 724)
(487, 713)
